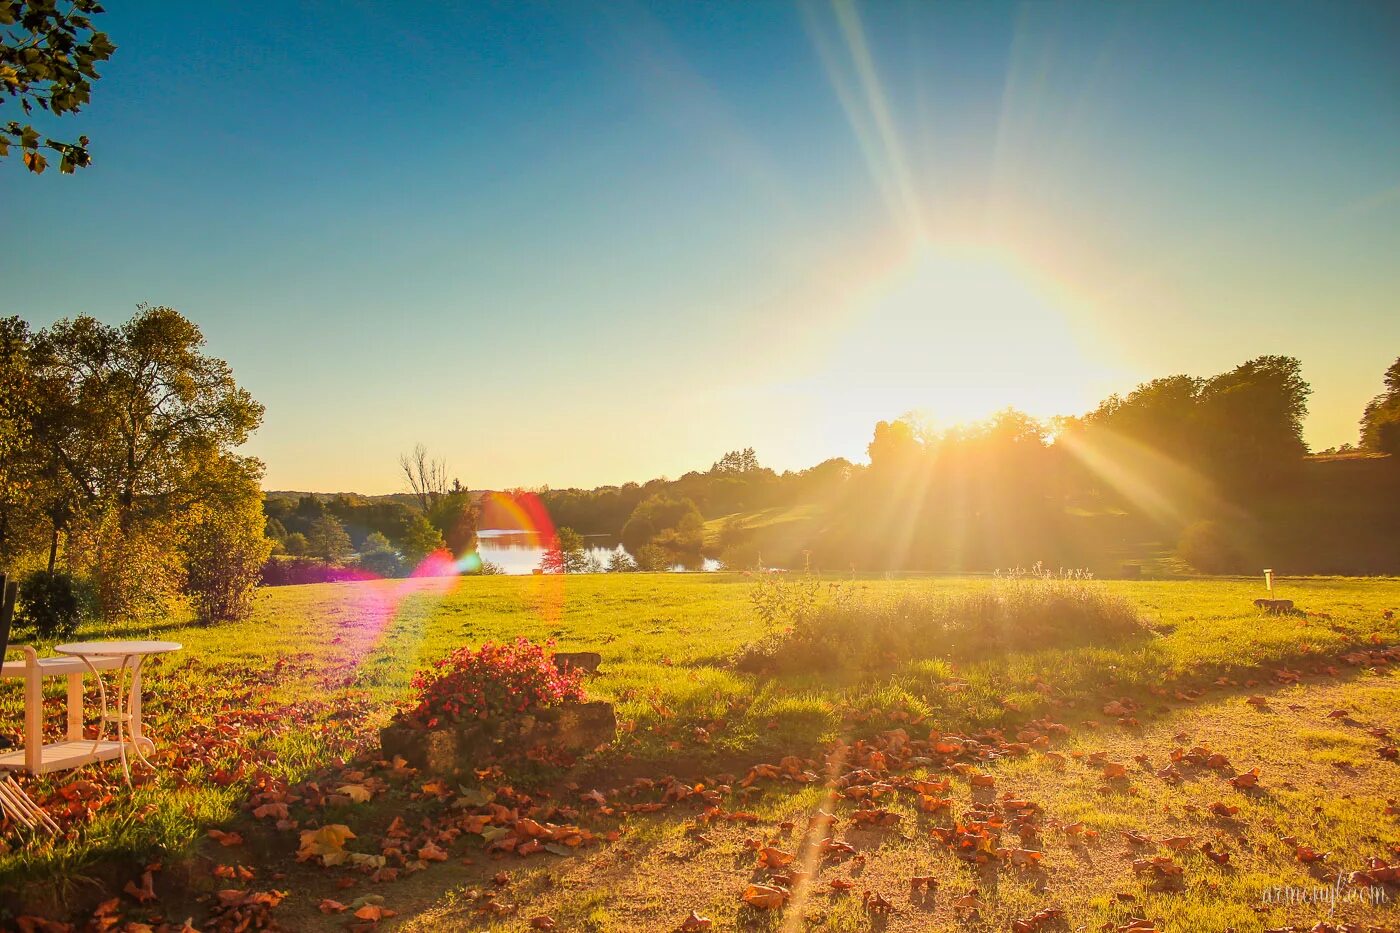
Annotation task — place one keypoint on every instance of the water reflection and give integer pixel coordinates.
(519, 552)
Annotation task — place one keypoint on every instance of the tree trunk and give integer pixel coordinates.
(53, 548)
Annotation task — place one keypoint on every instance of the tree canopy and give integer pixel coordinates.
(1380, 424)
(49, 52)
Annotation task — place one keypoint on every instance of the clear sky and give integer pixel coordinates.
(576, 244)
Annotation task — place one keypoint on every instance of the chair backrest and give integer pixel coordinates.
(8, 592)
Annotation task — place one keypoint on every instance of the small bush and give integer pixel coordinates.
(496, 681)
(293, 571)
(822, 626)
(50, 604)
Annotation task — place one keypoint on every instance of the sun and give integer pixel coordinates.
(957, 333)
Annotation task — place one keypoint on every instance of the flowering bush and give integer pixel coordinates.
(496, 681)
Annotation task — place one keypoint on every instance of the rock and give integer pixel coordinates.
(583, 660)
(1275, 606)
(456, 750)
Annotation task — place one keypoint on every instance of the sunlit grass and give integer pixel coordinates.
(667, 642)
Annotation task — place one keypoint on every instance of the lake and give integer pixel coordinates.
(519, 552)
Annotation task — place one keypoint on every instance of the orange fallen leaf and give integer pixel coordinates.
(1249, 778)
(225, 839)
(764, 896)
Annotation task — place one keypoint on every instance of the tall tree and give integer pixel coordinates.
(427, 477)
(49, 52)
(133, 414)
(1380, 424)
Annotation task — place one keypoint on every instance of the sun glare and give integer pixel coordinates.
(957, 333)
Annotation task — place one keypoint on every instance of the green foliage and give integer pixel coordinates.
(50, 605)
(328, 540)
(567, 554)
(296, 544)
(224, 549)
(419, 539)
(670, 522)
(1380, 424)
(455, 516)
(619, 561)
(1242, 428)
(136, 570)
(49, 52)
(116, 436)
(653, 558)
(379, 558)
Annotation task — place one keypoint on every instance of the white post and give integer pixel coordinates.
(1269, 581)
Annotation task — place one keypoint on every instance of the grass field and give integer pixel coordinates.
(247, 710)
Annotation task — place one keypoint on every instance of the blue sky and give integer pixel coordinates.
(577, 244)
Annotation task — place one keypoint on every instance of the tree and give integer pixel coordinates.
(379, 557)
(34, 488)
(419, 539)
(567, 554)
(133, 414)
(49, 53)
(619, 561)
(737, 461)
(296, 544)
(427, 478)
(663, 515)
(328, 540)
(455, 515)
(1380, 424)
(224, 549)
(119, 435)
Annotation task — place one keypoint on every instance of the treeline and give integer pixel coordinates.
(1213, 466)
(320, 539)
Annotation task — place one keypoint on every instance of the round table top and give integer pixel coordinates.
(107, 649)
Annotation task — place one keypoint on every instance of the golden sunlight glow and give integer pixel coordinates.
(956, 333)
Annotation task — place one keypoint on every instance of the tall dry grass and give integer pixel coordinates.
(822, 625)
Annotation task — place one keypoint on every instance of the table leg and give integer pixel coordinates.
(102, 715)
(134, 708)
(33, 715)
(75, 706)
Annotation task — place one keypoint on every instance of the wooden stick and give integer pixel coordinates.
(23, 807)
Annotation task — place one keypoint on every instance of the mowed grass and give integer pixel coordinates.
(308, 679)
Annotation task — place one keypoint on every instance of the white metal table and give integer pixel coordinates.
(127, 716)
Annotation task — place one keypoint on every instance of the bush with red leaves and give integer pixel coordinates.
(496, 681)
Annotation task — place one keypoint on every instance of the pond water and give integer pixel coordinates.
(519, 552)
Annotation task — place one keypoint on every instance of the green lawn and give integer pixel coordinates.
(308, 679)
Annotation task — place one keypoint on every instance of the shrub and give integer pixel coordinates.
(825, 625)
(1210, 548)
(619, 561)
(653, 558)
(135, 571)
(224, 550)
(50, 604)
(496, 681)
(378, 557)
(293, 571)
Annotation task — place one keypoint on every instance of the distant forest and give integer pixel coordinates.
(1183, 474)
